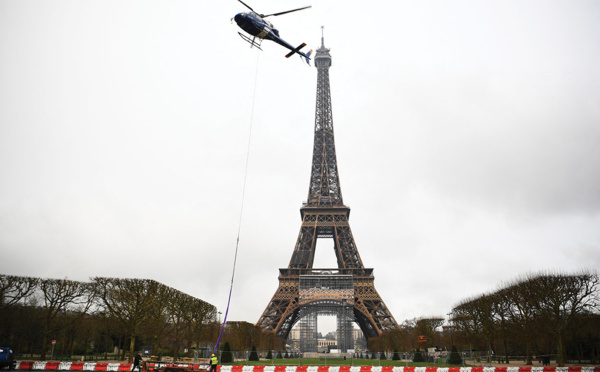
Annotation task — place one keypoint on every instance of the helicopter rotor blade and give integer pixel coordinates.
(247, 6)
(280, 13)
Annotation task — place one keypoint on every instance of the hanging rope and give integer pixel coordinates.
(237, 243)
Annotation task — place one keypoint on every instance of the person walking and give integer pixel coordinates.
(213, 363)
(136, 362)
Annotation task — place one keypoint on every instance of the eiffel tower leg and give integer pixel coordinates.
(371, 313)
(304, 252)
(282, 311)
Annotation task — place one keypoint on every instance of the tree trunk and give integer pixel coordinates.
(176, 350)
(44, 341)
(528, 358)
(155, 346)
(131, 349)
(123, 349)
(560, 351)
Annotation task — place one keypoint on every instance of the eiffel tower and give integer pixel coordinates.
(324, 215)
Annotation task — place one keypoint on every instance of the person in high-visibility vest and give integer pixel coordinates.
(213, 363)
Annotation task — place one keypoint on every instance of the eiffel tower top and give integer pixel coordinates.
(324, 190)
(322, 58)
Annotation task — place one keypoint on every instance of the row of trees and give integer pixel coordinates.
(549, 313)
(100, 315)
(538, 313)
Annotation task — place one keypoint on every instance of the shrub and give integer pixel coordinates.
(226, 354)
(454, 356)
(253, 354)
(418, 357)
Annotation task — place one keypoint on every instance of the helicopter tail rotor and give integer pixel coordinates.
(295, 50)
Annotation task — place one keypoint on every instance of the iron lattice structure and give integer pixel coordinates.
(324, 215)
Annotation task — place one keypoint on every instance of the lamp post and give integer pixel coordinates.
(219, 317)
(451, 330)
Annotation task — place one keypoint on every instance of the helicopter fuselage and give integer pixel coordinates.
(258, 27)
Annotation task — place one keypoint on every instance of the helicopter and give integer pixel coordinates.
(256, 25)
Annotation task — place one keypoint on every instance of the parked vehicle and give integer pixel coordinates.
(7, 358)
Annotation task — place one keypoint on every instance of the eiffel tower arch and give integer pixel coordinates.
(324, 215)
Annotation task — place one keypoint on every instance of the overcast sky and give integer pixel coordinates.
(467, 135)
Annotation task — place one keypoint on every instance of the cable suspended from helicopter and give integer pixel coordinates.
(256, 25)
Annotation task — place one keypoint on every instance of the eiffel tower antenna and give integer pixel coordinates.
(324, 215)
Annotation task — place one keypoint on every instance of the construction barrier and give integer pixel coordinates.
(24, 365)
(77, 366)
(65, 366)
(39, 366)
(52, 366)
(150, 367)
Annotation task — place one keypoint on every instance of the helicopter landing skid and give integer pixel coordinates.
(252, 41)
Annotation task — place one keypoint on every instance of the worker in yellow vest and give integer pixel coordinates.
(213, 363)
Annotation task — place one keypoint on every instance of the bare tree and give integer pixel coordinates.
(200, 315)
(178, 306)
(470, 320)
(15, 288)
(241, 335)
(61, 297)
(131, 302)
(157, 323)
(427, 327)
(560, 299)
(501, 314)
(533, 305)
(522, 312)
